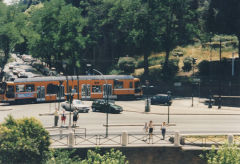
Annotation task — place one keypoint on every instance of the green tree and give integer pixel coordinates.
(224, 155)
(176, 25)
(23, 141)
(223, 18)
(111, 157)
(9, 31)
(57, 34)
(127, 64)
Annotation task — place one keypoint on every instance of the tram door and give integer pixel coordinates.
(40, 93)
(107, 90)
(60, 93)
(86, 91)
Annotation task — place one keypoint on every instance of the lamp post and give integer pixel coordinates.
(169, 94)
(147, 106)
(107, 90)
(67, 94)
(193, 62)
(219, 81)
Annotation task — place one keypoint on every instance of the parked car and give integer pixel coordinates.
(76, 104)
(101, 106)
(161, 99)
(22, 75)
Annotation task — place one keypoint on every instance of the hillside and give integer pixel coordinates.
(198, 52)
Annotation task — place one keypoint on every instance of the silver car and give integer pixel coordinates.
(76, 104)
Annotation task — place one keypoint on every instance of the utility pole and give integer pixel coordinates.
(219, 76)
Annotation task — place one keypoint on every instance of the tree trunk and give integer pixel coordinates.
(238, 36)
(165, 66)
(146, 69)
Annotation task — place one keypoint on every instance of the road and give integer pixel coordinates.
(187, 119)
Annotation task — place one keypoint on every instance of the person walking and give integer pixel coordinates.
(163, 128)
(56, 117)
(63, 118)
(145, 130)
(75, 117)
(150, 126)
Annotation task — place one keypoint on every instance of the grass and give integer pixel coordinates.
(194, 51)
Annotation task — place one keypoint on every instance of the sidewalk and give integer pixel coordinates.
(183, 106)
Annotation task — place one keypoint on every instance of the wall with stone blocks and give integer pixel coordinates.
(154, 155)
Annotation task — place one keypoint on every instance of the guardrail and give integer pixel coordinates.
(209, 139)
(201, 140)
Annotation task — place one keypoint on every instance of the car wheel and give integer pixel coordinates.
(93, 109)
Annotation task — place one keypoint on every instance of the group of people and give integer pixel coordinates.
(61, 114)
(148, 130)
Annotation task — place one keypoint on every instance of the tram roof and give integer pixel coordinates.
(62, 78)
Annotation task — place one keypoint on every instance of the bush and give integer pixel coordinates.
(70, 157)
(127, 64)
(187, 64)
(204, 67)
(63, 157)
(23, 141)
(112, 157)
(172, 69)
(140, 63)
(224, 155)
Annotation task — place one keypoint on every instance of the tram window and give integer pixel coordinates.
(52, 89)
(20, 88)
(131, 85)
(30, 88)
(118, 84)
(96, 89)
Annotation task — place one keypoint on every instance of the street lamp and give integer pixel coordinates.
(193, 62)
(107, 90)
(147, 106)
(219, 81)
(169, 95)
(69, 96)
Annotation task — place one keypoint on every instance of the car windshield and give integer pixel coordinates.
(77, 102)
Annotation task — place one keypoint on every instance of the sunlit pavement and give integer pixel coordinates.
(198, 118)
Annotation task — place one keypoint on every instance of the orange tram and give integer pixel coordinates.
(52, 88)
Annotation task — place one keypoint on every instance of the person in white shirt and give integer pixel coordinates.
(163, 128)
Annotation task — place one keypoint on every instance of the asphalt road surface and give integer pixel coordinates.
(186, 119)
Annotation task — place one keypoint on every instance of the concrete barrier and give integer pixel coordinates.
(124, 138)
(71, 139)
(230, 139)
(177, 139)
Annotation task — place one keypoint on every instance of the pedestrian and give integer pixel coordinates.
(75, 117)
(63, 118)
(163, 128)
(150, 126)
(56, 117)
(145, 130)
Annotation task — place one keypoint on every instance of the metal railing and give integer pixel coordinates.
(59, 140)
(201, 140)
(98, 139)
(207, 140)
(148, 139)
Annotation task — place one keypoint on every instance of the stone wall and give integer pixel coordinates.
(154, 155)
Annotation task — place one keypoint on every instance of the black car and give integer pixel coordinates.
(161, 99)
(101, 106)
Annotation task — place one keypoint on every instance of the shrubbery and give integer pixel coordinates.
(23, 141)
(187, 64)
(224, 155)
(127, 64)
(66, 157)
